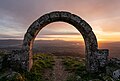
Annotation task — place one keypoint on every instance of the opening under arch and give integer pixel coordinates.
(66, 41)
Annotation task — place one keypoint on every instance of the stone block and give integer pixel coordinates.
(102, 57)
(65, 15)
(85, 26)
(43, 20)
(116, 74)
(75, 18)
(54, 16)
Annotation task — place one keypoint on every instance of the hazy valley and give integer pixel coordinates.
(61, 48)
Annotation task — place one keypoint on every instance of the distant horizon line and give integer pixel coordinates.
(56, 40)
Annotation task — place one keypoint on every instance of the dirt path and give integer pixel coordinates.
(59, 71)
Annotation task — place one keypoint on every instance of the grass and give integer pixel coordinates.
(2, 53)
(40, 63)
(77, 67)
(73, 64)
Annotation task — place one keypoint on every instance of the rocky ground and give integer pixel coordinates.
(59, 68)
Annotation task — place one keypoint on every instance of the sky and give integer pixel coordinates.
(102, 15)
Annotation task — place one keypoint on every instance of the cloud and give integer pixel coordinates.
(19, 14)
(4, 36)
(29, 10)
(107, 25)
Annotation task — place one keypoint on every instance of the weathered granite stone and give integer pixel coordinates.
(3, 54)
(65, 15)
(113, 68)
(75, 18)
(1, 60)
(29, 36)
(16, 60)
(92, 63)
(102, 56)
(54, 16)
(117, 60)
(11, 76)
(86, 26)
(43, 20)
(116, 74)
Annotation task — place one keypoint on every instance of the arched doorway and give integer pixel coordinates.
(91, 46)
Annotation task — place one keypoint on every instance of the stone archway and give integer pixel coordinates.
(91, 46)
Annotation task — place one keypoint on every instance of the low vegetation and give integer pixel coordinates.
(40, 63)
(79, 73)
(77, 67)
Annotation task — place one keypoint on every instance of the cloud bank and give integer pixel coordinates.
(17, 15)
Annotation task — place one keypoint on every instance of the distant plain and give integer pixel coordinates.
(62, 48)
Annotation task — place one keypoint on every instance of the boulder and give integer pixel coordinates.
(11, 76)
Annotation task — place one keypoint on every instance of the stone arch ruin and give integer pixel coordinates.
(95, 58)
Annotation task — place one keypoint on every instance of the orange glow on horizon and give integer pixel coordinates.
(100, 38)
(63, 37)
(67, 32)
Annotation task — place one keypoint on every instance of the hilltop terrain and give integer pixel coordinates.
(58, 60)
(62, 48)
(47, 67)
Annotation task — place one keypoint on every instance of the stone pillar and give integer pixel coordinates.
(102, 57)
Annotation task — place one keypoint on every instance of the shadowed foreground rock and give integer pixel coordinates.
(13, 71)
(11, 76)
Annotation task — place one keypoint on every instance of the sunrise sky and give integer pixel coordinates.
(103, 16)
